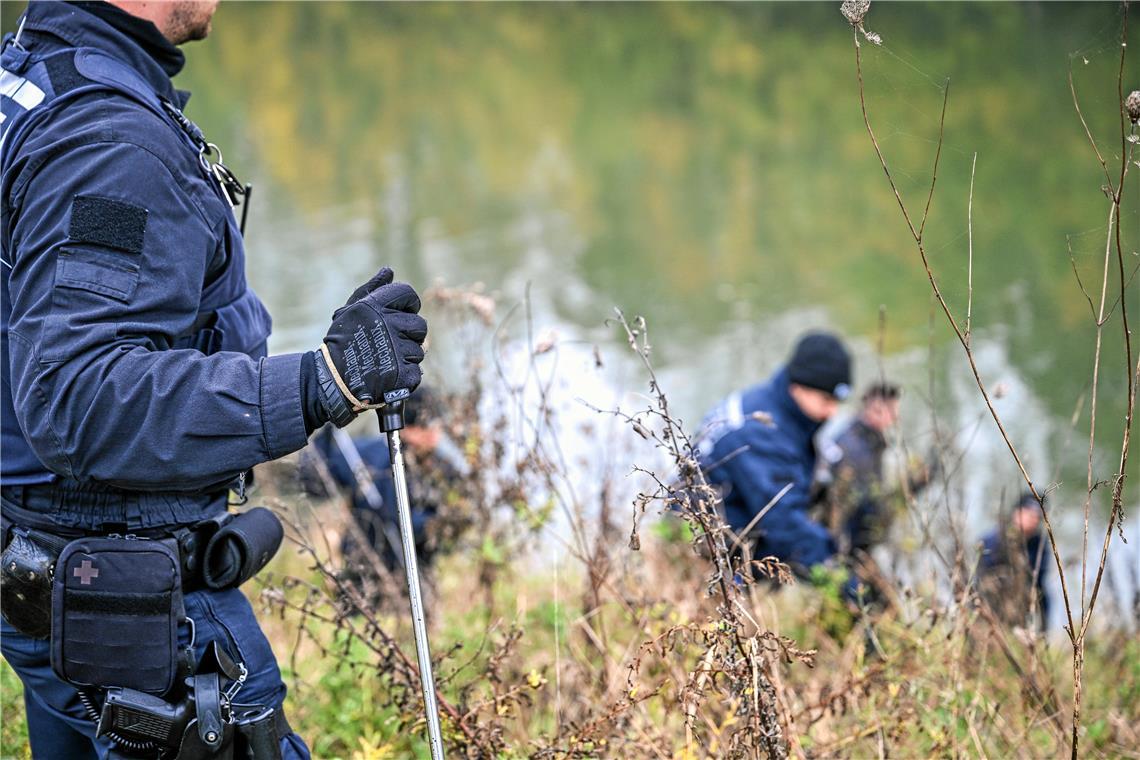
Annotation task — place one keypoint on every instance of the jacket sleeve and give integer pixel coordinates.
(109, 257)
(759, 474)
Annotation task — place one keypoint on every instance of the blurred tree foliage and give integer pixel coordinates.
(700, 155)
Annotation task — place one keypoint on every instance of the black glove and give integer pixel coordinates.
(374, 346)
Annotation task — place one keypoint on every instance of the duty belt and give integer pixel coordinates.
(192, 542)
(219, 550)
(66, 506)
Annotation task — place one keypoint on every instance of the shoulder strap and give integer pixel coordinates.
(77, 72)
(105, 70)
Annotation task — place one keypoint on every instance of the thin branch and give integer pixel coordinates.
(1090, 484)
(937, 157)
(1121, 475)
(866, 121)
(1088, 133)
(962, 339)
(970, 243)
(1117, 513)
(1077, 274)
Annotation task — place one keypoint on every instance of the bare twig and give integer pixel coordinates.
(1117, 511)
(1088, 133)
(1076, 632)
(970, 245)
(1080, 284)
(962, 338)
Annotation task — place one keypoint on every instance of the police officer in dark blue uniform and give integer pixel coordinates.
(1013, 566)
(757, 447)
(854, 475)
(136, 391)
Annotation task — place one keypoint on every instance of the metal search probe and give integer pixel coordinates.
(392, 422)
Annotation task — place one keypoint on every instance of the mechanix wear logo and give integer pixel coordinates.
(386, 361)
(352, 365)
(370, 351)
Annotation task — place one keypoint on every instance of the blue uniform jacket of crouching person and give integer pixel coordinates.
(134, 371)
(754, 444)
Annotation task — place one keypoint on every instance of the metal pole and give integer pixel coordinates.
(391, 422)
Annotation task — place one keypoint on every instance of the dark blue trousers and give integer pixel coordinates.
(58, 726)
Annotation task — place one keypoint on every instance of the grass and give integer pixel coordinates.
(934, 684)
(554, 648)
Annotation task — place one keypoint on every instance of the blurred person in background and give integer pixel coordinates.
(436, 468)
(757, 447)
(859, 503)
(1013, 566)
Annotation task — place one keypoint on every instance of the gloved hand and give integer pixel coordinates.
(374, 346)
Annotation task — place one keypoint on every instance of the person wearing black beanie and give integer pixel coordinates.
(820, 363)
(757, 447)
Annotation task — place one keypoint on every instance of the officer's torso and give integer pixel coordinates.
(53, 96)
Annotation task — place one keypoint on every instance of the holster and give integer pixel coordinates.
(259, 734)
(198, 722)
(27, 566)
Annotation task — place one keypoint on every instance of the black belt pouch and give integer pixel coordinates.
(116, 606)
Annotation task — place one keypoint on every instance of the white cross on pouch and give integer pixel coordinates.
(85, 572)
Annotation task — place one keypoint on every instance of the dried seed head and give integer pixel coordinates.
(855, 10)
(1132, 105)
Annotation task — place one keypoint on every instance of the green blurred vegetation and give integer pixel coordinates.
(693, 146)
(13, 727)
(702, 164)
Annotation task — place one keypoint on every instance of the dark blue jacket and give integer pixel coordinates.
(997, 557)
(753, 445)
(380, 526)
(133, 348)
(858, 475)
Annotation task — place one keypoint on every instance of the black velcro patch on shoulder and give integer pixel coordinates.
(103, 221)
(62, 73)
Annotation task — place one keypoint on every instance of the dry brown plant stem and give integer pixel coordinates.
(963, 337)
(768, 719)
(1117, 512)
(1076, 633)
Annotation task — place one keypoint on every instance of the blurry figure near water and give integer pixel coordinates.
(1013, 566)
(858, 502)
(757, 448)
(331, 465)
